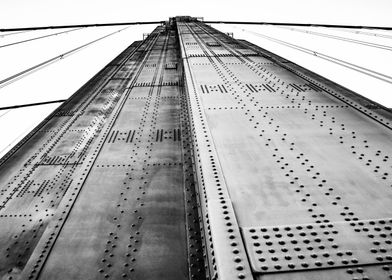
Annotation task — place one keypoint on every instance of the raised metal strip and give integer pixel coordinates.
(228, 250)
(47, 241)
(345, 235)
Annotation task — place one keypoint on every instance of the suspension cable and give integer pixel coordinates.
(80, 25)
(298, 24)
(365, 43)
(340, 62)
(5, 113)
(31, 104)
(37, 38)
(16, 138)
(41, 65)
(366, 33)
(13, 33)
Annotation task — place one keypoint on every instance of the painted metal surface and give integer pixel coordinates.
(305, 163)
(104, 188)
(193, 155)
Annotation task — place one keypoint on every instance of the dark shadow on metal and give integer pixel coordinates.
(32, 104)
(301, 24)
(79, 25)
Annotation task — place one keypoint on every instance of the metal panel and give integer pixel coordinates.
(295, 150)
(196, 156)
(104, 187)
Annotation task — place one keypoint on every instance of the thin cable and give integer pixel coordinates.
(41, 65)
(5, 113)
(80, 25)
(17, 138)
(340, 62)
(40, 37)
(299, 24)
(366, 33)
(13, 33)
(31, 104)
(365, 43)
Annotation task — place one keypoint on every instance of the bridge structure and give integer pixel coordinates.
(193, 155)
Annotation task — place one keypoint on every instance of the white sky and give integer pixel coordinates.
(62, 79)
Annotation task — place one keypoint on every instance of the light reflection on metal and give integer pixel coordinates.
(193, 155)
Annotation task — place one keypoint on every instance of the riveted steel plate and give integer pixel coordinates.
(104, 187)
(294, 148)
(193, 155)
(316, 246)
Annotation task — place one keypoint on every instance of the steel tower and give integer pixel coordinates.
(193, 155)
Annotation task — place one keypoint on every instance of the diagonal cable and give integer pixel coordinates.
(79, 25)
(13, 33)
(30, 105)
(45, 63)
(372, 34)
(360, 42)
(37, 38)
(340, 62)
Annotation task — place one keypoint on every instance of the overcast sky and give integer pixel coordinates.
(60, 80)
(43, 12)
